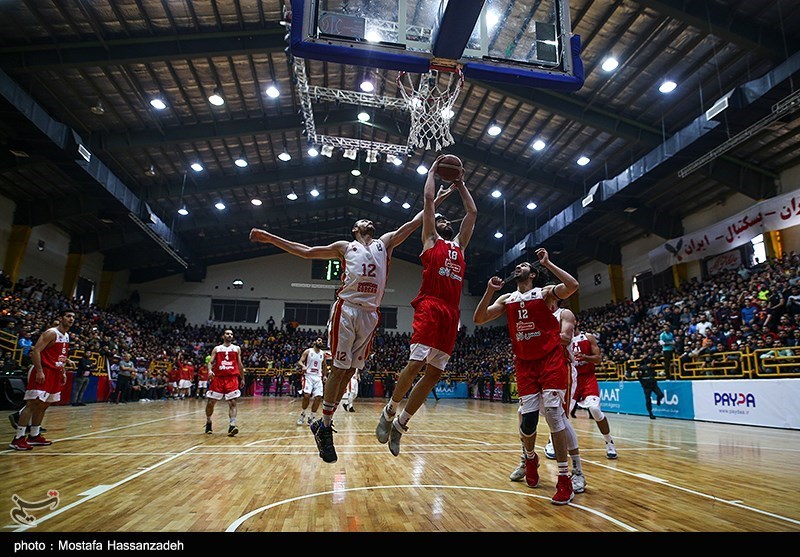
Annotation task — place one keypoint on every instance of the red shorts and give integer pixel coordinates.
(587, 386)
(550, 372)
(435, 324)
(226, 386)
(52, 381)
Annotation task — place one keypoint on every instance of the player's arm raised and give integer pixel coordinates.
(331, 251)
(468, 222)
(564, 289)
(485, 311)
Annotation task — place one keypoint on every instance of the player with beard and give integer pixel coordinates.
(354, 314)
(436, 312)
(541, 361)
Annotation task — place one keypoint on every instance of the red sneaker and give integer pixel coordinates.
(38, 441)
(20, 444)
(564, 492)
(532, 471)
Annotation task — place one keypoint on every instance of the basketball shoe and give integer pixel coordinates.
(564, 493)
(324, 438)
(532, 471)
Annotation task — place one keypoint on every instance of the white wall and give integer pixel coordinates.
(50, 263)
(6, 221)
(274, 280)
(590, 294)
(635, 259)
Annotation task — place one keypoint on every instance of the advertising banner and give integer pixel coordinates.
(627, 397)
(762, 402)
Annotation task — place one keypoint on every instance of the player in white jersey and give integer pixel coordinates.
(351, 392)
(312, 362)
(566, 319)
(354, 314)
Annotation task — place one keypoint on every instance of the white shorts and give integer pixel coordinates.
(173, 384)
(202, 384)
(227, 396)
(350, 332)
(590, 401)
(312, 384)
(432, 356)
(185, 384)
(541, 400)
(44, 396)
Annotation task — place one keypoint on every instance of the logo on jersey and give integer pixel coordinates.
(526, 326)
(368, 287)
(446, 272)
(528, 336)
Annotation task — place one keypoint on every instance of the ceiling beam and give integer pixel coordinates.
(138, 50)
(53, 210)
(740, 30)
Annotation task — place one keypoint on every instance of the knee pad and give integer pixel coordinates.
(596, 413)
(554, 416)
(527, 425)
(572, 437)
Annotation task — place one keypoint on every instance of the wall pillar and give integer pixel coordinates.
(680, 274)
(71, 273)
(104, 292)
(17, 245)
(617, 283)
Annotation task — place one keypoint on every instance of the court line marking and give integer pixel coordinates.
(667, 483)
(479, 442)
(239, 521)
(98, 490)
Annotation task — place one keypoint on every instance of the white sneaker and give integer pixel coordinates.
(578, 483)
(301, 419)
(519, 472)
(611, 451)
(549, 450)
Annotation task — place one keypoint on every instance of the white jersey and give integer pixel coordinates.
(365, 272)
(314, 362)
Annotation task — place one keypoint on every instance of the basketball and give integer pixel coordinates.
(450, 168)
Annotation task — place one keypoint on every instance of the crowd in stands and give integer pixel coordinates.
(755, 308)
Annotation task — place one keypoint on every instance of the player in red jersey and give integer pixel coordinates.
(202, 381)
(46, 378)
(226, 375)
(186, 378)
(541, 361)
(436, 312)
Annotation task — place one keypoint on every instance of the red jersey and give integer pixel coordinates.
(187, 372)
(55, 355)
(534, 330)
(582, 345)
(227, 360)
(443, 268)
(202, 373)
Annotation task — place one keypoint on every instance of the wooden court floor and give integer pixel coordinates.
(149, 467)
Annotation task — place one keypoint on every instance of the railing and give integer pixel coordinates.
(8, 342)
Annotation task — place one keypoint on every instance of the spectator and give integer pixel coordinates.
(83, 372)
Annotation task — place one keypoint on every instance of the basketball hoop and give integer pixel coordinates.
(431, 105)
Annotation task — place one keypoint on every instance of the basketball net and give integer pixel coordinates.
(431, 105)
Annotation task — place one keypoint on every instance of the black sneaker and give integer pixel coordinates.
(232, 431)
(208, 428)
(324, 438)
(350, 408)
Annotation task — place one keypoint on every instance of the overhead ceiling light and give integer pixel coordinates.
(272, 92)
(196, 166)
(494, 130)
(98, 109)
(151, 171)
(667, 87)
(363, 117)
(285, 156)
(158, 104)
(367, 86)
(422, 169)
(312, 151)
(496, 194)
(350, 154)
(183, 211)
(292, 196)
(353, 190)
(406, 205)
(583, 161)
(372, 156)
(355, 172)
(314, 192)
(255, 201)
(498, 234)
(398, 161)
(531, 206)
(385, 199)
(216, 97)
(220, 205)
(631, 209)
(326, 151)
(241, 162)
(610, 64)
(538, 145)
